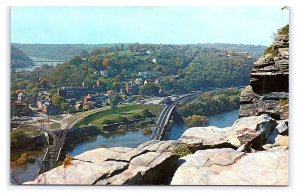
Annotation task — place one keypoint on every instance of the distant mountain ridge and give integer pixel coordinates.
(67, 51)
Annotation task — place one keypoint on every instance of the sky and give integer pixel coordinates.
(167, 25)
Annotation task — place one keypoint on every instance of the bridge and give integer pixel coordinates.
(53, 151)
(165, 114)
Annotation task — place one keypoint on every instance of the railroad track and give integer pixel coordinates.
(165, 114)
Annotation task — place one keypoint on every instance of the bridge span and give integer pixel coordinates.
(165, 114)
(53, 151)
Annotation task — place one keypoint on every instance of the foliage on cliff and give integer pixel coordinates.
(284, 31)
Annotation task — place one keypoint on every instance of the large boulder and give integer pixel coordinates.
(252, 131)
(207, 137)
(150, 168)
(150, 163)
(230, 167)
(80, 172)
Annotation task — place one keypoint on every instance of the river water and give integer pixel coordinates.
(27, 172)
(127, 139)
(221, 120)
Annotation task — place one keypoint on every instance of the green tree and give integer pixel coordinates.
(32, 92)
(150, 89)
(76, 61)
(196, 120)
(146, 113)
(65, 107)
(114, 101)
(57, 100)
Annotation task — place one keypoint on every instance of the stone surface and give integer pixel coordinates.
(281, 129)
(150, 168)
(207, 137)
(270, 103)
(159, 146)
(252, 131)
(80, 173)
(150, 163)
(230, 167)
(248, 96)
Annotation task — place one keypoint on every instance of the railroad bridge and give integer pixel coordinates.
(165, 114)
(53, 151)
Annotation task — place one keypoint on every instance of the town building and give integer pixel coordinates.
(104, 73)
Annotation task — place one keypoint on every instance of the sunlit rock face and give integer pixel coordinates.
(227, 166)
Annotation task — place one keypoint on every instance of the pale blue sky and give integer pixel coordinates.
(171, 25)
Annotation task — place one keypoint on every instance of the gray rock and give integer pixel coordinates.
(281, 129)
(230, 167)
(150, 163)
(270, 107)
(253, 130)
(159, 146)
(150, 168)
(80, 173)
(207, 137)
(248, 96)
(276, 96)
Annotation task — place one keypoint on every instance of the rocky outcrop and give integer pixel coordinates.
(230, 167)
(252, 131)
(269, 83)
(150, 163)
(199, 138)
(209, 156)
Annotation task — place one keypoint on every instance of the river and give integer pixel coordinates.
(221, 120)
(27, 172)
(127, 139)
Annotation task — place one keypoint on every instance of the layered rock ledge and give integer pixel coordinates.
(269, 83)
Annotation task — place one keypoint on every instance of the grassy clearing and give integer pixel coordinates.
(127, 111)
(57, 117)
(76, 116)
(28, 130)
(54, 125)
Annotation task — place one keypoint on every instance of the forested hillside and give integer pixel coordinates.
(19, 59)
(67, 51)
(147, 69)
